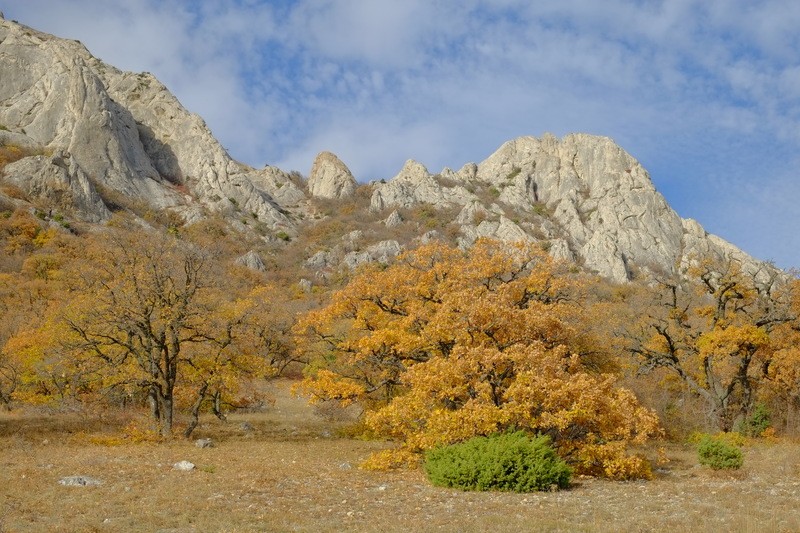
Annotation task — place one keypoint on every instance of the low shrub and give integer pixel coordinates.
(510, 461)
(719, 452)
(756, 423)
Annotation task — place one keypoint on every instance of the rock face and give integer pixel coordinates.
(414, 185)
(61, 181)
(583, 195)
(124, 132)
(330, 178)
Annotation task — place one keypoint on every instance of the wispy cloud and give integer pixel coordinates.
(706, 94)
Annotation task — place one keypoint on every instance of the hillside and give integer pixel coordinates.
(544, 309)
(85, 140)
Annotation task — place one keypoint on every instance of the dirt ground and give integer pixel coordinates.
(290, 472)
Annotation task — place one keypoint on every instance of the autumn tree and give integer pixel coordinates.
(150, 314)
(712, 330)
(781, 371)
(30, 276)
(448, 344)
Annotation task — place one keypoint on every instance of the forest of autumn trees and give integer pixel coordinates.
(137, 319)
(439, 346)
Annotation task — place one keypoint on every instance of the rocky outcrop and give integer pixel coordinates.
(393, 220)
(584, 196)
(252, 261)
(122, 130)
(330, 178)
(62, 182)
(502, 229)
(382, 252)
(414, 185)
(95, 139)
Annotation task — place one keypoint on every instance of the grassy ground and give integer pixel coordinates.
(291, 473)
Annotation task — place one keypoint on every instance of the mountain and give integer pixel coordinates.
(85, 139)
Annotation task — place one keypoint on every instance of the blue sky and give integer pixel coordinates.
(705, 93)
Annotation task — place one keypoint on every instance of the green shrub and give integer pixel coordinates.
(513, 174)
(756, 423)
(719, 453)
(505, 461)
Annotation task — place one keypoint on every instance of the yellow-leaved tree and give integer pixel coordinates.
(714, 330)
(782, 370)
(31, 261)
(447, 344)
(147, 316)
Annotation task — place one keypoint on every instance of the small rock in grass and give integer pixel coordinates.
(79, 481)
(204, 443)
(183, 465)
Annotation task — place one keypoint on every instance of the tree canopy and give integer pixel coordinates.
(715, 330)
(447, 344)
(153, 317)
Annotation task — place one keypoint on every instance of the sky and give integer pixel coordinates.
(704, 93)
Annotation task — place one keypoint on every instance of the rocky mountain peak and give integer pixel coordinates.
(125, 133)
(330, 178)
(89, 139)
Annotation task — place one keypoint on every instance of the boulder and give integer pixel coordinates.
(184, 466)
(330, 178)
(252, 261)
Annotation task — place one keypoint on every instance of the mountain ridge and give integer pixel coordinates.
(95, 139)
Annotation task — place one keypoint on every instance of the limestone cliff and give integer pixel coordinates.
(583, 196)
(120, 131)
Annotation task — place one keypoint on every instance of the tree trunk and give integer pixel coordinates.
(152, 399)
(216, 407)
(166, 415)
(201, 395)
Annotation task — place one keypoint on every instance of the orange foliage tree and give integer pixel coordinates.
(30, 265)
(448, 344)
(782, 369)
(715, 332)
(146, 315)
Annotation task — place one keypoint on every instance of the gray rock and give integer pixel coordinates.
(601, 198)
(123, 135)
(79, 481)
(414, 185)
(393, 220)
(330, 178)
(382, 252)
(305, 285)
(252, 261)
(353, 236)
(124, 130)
(204, 443)
(184, 466)
(319, 260)
(60, 181)
(428, 237)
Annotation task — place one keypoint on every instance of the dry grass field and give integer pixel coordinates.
(291, 472)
